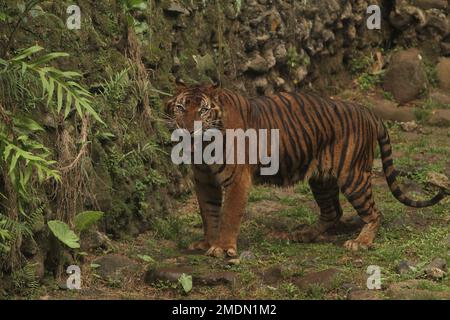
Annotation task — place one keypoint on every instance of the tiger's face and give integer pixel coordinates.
(192, 104)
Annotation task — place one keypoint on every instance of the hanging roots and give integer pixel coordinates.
(73, 188)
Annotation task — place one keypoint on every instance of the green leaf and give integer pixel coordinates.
(27, 123)
(59, 97)
(27, 52)
(62, 231)
(95, 265)
(186, 282)
(86, 219)
(137, 4)
(48, 57)
(145, 257)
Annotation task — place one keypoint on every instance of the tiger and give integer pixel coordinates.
(329, 143)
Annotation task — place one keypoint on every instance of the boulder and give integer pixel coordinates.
(115, 266)
(405, 77)
(257, 65)
(172, 274)
(173, 7)
(443, 73)
(388, 110)
(437, 269)
(431, 4)
(440, 118)
(325, 279)
(93, 239)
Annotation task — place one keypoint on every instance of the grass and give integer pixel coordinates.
(406, 234)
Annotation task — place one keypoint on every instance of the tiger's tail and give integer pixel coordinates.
(391, 174)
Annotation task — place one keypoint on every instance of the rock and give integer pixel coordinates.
(300, 74)
(405, 266)
(280, 53)
(439, 180)
(257, 65)
(443, 73)
(174, 7)
(92, 240)
(431, 4)
(409, 126)
(413, 290)
(172, 274)
(440, 98)
(405, 77)
(438, 21)
(247, 255)
(270, 58)
(272, 275)
(216, 278)
(115, 266)
(435, 273)
(234, 262)
(388, 110)
(445, 48)
(440, 118)
(324, 279)
(363, 295)
(29, 247)
(279, 82)
(39, 265)
(436, 269)
(166, 274)
(261, 83)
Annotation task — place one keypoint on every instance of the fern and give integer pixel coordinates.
(55, 83)
(27, 81)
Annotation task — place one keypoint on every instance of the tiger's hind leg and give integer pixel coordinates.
(326, 194)
(359, 194)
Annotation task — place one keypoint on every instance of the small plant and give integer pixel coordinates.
(186, 282)
(422, 114)
(238, 6)
(293, 58)
(361, 64)
(367, 81)
(62, 231)
(115, 88)
(130, 6)
(388, 96)
(82, 221)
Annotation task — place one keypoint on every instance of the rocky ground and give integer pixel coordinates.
(412, 248)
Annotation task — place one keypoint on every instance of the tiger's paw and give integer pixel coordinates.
(221, 251)
(356, 245)
(199, 245)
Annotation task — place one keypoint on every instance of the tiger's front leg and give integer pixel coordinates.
(235, 201)
(209, 196)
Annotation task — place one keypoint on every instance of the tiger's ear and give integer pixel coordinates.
(181, 85)
(215, 84)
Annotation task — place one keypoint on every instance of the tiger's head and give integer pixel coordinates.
(194, 103)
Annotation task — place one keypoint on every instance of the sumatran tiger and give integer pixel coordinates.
(329, 143)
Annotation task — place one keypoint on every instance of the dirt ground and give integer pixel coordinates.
(411, 250)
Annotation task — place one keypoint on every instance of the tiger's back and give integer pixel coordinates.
(318, 136)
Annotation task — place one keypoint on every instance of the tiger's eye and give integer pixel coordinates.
(203, 110)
